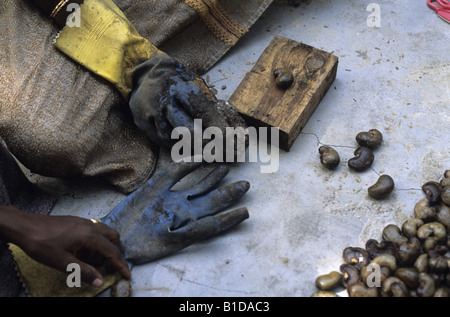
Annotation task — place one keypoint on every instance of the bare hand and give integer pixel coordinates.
(57, 241)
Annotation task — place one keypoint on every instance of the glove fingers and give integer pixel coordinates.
(219, 199)
(160, 182)
(177, 171)
(209, 226)
(163, 128)
(179, 118)
(209, 181)
(189, 96)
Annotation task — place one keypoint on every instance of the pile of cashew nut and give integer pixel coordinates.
(411, 261)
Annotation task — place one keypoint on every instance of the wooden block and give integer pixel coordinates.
(263, 104)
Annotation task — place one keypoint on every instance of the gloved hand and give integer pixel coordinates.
(165, 96)
(161, 92)
(154, 221)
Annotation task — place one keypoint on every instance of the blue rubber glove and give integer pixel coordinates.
(155, 221)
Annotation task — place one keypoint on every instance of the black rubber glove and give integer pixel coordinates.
(154, 221)
(165, 96)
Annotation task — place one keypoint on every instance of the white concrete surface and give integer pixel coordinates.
(395, 78)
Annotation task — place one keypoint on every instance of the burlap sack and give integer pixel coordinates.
(56, 117)
(197, 32)
(60, 120)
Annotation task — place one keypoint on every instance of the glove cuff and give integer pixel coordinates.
(106, 43)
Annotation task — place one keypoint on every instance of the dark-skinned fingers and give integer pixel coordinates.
(64, 262)
(210, 226)
(109, 233)
(219, 199)
(88, 273)
(209, 181)
(112, 255)
(93, 258)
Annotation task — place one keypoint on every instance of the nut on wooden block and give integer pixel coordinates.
(262, 103)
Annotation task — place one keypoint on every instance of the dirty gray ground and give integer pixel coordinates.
(394, 78)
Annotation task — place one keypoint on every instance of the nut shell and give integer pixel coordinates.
(375, 249)
(283, 78)
(358, 289)
(432, 191)
(122, 288)
(329, 157)
(328, 281)
(382, 188)
(393, 233)
(424, 211)
(363, 159)
(445, 195)
(372, 138)
(324, 294)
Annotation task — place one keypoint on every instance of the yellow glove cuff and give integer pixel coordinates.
(106, 43)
